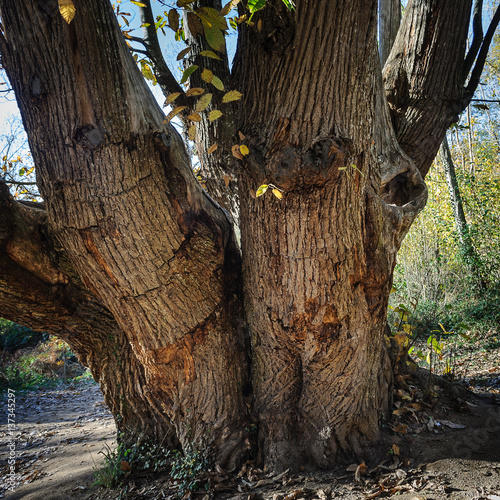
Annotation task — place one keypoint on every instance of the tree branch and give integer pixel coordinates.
(423, 76)
(40, 289)
(19, 183)
(481, 58)
(164, 76)
(477, 40)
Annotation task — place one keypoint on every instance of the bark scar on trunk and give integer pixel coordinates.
(293, 169)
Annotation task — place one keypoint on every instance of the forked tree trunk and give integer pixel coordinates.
(158, 257)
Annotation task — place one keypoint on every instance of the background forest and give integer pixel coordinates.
(437, 277)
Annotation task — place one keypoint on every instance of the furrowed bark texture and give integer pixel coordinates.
(39, 288)
(318, 263)
(123, 202)
(157, 258)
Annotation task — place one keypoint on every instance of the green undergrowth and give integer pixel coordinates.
(123, 462)
(476, 313)
(30, 360)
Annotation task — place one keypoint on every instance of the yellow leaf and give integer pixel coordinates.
(203, 102)
(212, 148)
(195, 91)
(139, 4)
(174, 112)
(217, 83)
(209, 53)
(194, 117)
(228, 7)
(182, 53)
(207, 75)
(67, 9)
(232, 95)
(171, 98)
(214, 115)
(278, 194)
(244, 150)
(192, 132)
(262, 189)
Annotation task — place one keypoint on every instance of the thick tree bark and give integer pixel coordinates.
(318, 264)
(123, 202)
(39, 288)
(158, 258)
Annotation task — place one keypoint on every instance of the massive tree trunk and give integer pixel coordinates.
(123, 203)
(151, 253)
(318, 263)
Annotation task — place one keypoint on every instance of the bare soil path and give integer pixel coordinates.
(59, 435)
(447, 450)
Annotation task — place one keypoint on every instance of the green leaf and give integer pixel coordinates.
(209, 53)
(212, 18)
(217, 83)
(262, 189)
(188, 72)
(255, 5)
(290, 4)
(232, 95)
(215, 37)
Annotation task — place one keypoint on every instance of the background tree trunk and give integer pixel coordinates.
(388, 25)
(469, 255)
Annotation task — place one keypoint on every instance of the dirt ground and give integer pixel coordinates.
(437, 447)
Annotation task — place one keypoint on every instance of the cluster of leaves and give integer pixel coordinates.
(17, 168)
(120, 462)
(438, 353)
(46, 364)
(14, 337)
(185, 468)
